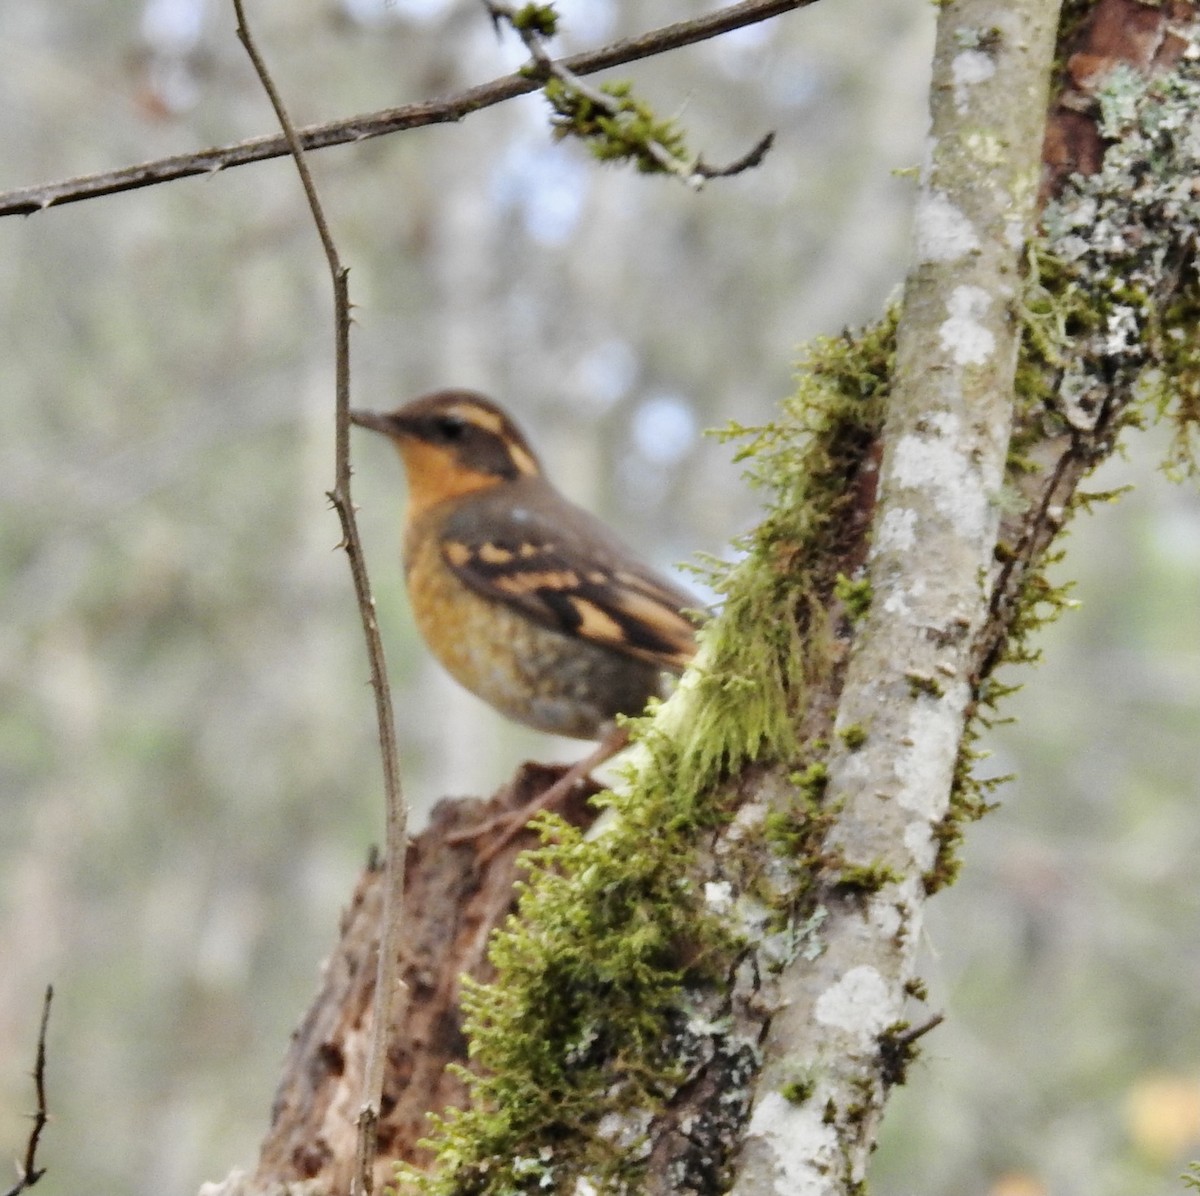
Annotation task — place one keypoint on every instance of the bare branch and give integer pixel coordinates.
(30, 1171)
(747, 161)
(909, 687)
(24, 201)
(396, 810)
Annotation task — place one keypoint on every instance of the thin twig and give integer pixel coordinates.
(24, 201)
(30, 1172)
(747, 161)
(385, 1011)
(692, 173)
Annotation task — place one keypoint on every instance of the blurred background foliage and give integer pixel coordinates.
(187, 759)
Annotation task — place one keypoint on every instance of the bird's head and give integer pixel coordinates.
(452, 443)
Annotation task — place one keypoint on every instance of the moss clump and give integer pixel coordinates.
(1173, 388)
(855, 596)
(622, 131)
(864, 879)
(796, 834)
(798, 1091)
(853, 736)
(538, 18)
(812, 782)
(923, 683)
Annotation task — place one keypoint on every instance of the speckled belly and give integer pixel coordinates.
(529, 673)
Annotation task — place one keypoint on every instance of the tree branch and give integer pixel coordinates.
(30, 1172)
(24, 201)
(909, 685)
(385, 1013)
(630, 132)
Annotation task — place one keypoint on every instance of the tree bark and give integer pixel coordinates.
(452, 907)
(911, 682)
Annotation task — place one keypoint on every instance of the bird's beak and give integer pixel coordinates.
(377, 421)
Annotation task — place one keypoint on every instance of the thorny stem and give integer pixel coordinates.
(30, 1172)
(385, 1013)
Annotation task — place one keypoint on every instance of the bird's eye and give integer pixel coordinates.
(449, 427)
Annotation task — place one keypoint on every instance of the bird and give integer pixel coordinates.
(528, 600)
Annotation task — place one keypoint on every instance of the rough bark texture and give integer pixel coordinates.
(452, 906)
(829, 1027)
(1118, 31)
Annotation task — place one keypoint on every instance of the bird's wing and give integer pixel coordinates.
(564, 569)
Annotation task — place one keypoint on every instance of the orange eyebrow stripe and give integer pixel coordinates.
(521, 459)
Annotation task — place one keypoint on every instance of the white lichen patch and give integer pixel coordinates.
(718, 896)
(962, 335)
(884, 916)
(803, 1149)
(748, 820)
(861, 1003)
(968, 69)
(1122, 331)
(987, 150)
(898, 531)
(938, 466)
(924, 770)
(920, 844)
(943, 232)
(900, 912)
(624, 1129)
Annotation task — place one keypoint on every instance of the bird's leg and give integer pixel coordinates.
(510, 825)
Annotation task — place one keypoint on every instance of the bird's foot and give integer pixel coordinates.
(506, 827)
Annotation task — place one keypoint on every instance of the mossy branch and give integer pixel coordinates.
(610, 120)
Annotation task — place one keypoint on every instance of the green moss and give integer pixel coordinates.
(540, 18)
(923, 683)
(854, 595)
(623, 131)
(812, 782)
(864, 879)
(853, 736)
(796, 833)
(798, 1091)
(1173, 388)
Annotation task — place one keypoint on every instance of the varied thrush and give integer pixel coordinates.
(529, 601)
